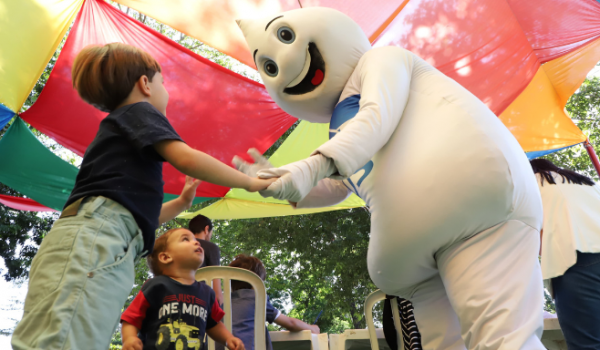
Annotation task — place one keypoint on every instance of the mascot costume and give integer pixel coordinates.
(455, 208)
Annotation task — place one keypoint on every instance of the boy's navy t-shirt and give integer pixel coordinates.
(169, 314)
(122, 164)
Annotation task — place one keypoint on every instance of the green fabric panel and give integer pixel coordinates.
(30, 168)
(197, 200)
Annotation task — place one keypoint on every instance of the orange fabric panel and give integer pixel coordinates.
(567, 73)
(536, 118)
(213, 21)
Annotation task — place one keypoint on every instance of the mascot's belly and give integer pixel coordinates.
(450, 170)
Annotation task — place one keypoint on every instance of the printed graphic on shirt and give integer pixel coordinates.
(179, 334)
(176, 331)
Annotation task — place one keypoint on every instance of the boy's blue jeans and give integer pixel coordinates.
(577, 298)
(80, 279)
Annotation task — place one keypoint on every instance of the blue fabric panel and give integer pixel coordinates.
(537, 154)
(5, 115)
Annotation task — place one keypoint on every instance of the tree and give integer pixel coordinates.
(584, 109)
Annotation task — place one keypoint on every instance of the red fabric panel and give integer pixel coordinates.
(478, 43)
(19, 203)
(212, 108)
(557, 27)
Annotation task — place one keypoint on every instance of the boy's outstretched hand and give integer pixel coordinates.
(234, 343)
(189, 190)
(257, 184)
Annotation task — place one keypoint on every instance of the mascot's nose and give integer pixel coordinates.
(239, 22)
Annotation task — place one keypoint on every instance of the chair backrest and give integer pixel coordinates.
(226, 273)
(370, 301)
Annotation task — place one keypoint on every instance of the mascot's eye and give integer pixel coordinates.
(286, 35)
(271, 68)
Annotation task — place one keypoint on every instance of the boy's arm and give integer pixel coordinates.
(295, 325)
(130, 337)
(204, 167)
(173, 207)
(221, 335)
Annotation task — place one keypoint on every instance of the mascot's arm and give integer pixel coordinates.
(327, 192)
(385, 75)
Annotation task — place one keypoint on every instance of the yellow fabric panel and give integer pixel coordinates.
(351, 202)
(228, 208)
(211, 21)
(30, 31)
(537, 119)
(567, 73)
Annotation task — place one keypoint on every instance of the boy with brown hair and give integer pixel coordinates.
(173, 307)
(84, 269)
(243, 306)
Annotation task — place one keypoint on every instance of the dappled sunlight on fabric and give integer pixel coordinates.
(476, 42)
(537, 119)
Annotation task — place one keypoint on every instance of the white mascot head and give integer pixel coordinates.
(305, 58)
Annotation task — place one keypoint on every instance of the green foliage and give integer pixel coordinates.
(21, 233)
(584, 109)
(317, 261)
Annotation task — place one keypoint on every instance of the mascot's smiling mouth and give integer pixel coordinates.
(314, 73)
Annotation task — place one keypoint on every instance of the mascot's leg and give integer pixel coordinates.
(494, 283)
(435, 318)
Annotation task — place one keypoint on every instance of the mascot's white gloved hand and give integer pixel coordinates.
(260, 163)
(297, 179)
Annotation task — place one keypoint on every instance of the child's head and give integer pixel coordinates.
(251, 263)
(106, 76)
(175, 249)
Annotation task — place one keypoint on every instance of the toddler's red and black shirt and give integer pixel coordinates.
(170, 314)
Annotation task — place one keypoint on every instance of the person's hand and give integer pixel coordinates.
(133, 343)
(257, 184)
(315, 329)
(234, 343)
(189, 191)
(260, 163)
(297, 179)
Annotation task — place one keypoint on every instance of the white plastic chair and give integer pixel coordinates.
(226, 273)
(371, 300)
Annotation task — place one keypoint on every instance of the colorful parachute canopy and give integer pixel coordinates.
(493, 48)
(30, 31)
(524, 59)
(22, 203)
(213, 109)
(213, 22)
